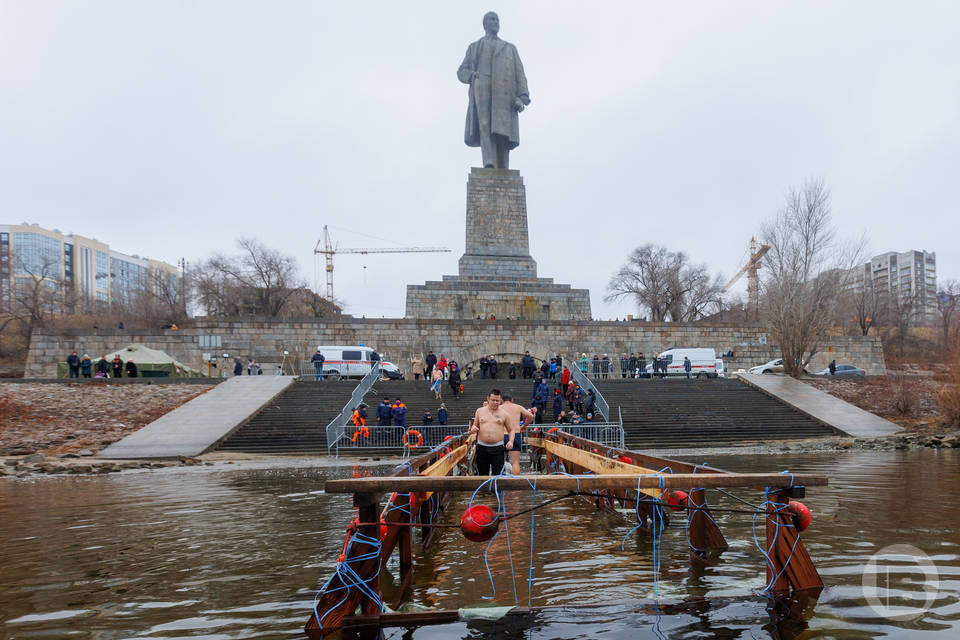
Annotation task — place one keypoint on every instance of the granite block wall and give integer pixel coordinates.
(463, 340)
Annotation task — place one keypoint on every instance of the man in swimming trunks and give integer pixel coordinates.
(491, 423)
(516, 413)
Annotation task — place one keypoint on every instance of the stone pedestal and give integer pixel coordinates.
(497, 275)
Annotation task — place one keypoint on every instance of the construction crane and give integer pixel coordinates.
(328, 250)
(753, 280)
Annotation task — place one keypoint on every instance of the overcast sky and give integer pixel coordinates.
(169, 129)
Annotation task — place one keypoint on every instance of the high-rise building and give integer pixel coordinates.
(911, 276)
(83, 271)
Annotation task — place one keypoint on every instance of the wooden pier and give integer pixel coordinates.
(619, 481)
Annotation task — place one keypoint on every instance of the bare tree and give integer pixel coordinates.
(866, 303)
(948, 303)
(665, 285)
(39, 292)
(259, 281)
(806, 270)
(898, 312)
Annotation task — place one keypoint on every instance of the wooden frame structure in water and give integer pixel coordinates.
(618, 481)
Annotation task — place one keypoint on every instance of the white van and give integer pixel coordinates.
(704, 363)
(342, 361)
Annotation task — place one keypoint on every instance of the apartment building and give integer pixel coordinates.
(85, 267)
(911, 275)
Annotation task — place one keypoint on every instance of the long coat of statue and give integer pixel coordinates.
(509, 83)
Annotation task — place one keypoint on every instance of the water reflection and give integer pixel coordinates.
(237, 552)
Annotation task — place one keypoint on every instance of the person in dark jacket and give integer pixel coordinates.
(73, 362)
(512, 371)
(86, 366)
(557, 405)
(483, 367)
(427, 418)
(526, 365)
(131, 369)
(317, 362)
(589, 403)
(833, 367)
(624, 365)
(606, 366)
(442, 414)
(384, 417)
(398, 411)
(493, 366)
(596, 366)
(103, 367)
(428, 364)
(454, 380)
(632, 365)
(237, 367)
(641, 364)
(578, 398)
(540, 399)
(687, 366)
(116, 367)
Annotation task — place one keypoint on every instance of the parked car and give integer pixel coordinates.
(844, 371)
(390, 370)
(774, 366)
(345, 361)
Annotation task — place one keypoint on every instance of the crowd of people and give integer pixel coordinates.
(84, 367)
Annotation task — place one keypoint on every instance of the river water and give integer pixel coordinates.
(238, 551)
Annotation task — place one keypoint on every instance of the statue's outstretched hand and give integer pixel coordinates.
(518, 104)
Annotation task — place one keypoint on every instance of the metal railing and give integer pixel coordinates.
(586, 384)
(403, 439)
(336, 428)
(609, 434)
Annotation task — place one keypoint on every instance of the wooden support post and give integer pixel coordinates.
(704, 533)
(405, 537)
(788, 561)
(338, 601)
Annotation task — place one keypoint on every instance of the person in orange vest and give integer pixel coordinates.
(360, 422)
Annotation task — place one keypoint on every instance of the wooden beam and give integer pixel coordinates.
(704, 532)
(638, 457)
(573, 483)
(596, 462)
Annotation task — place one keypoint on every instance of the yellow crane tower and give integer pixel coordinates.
(329, 250)
(753, 280)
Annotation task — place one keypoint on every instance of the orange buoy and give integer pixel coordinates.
(479, 523)
(801, 515)
(626, 459)
(383, 529)
(677, 500)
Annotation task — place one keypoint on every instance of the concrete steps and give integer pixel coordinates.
(669, 413)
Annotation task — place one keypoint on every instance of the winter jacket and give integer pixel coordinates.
(399, 414)
(526, 362)
(589, 403)
(583, 364)
(565, 377)
(427, 418)
(103, 366)
(557, 405)
(73, 360)
(131, 369)
(442, 416)
(384, 415)
(85, 365)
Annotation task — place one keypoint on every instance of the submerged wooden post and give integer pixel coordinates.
(788, 560)
(705, 535)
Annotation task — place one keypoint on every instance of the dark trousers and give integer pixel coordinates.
(74, 371)
(489, 459)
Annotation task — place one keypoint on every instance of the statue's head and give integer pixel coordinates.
(491, 22)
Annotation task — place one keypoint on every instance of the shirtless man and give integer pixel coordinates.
(491, 423)
(516, 413)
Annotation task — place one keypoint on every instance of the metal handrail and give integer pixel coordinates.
(336, 428)
(586, 384)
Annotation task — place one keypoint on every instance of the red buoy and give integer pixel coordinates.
(626, 459)
(677, 500)
(801, 515)
(479, 523)
(383, 529)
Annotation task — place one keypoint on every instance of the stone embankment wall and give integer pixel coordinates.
(463, 340)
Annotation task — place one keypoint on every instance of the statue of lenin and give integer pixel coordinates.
(498, 92)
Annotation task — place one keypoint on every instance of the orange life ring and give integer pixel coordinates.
(406, 439)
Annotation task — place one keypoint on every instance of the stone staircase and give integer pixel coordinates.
(295, 422)
(672, 412)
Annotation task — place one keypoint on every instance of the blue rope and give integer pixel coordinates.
(777, 507)
(349, 577)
